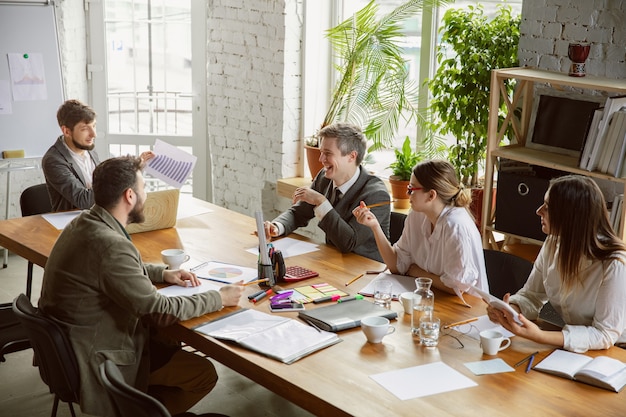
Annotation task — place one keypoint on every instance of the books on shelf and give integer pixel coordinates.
(277, 337)
(615, 216)
(346, 315)
(603, 140)
(592, 136)
(601, 371)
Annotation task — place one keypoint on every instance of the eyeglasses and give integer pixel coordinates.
(410, 189)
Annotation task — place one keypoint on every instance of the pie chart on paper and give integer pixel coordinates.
(225, 272)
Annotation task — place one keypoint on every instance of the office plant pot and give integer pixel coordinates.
(398, 192)
(313, 159)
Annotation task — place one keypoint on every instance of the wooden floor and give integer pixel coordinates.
(23, 394)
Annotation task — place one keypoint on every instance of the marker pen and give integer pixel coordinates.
(327, 298)
(251, 296)
(354, 297)
(262, 295)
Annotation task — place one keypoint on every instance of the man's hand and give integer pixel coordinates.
(181, 277)
(231, 294)
(308, 195)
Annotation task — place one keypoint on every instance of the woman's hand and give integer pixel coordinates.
(365, 216)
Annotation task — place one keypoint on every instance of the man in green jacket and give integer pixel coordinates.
(96, 284)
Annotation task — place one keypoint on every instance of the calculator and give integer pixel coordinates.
(298, 273)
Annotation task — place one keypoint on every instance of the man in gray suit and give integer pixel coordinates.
(69, 163)
(337, 189)
(96, 285)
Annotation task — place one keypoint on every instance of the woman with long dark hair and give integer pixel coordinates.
(581, 270)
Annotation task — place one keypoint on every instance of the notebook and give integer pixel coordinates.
(277, 337)
(346, 315)
(160, 210)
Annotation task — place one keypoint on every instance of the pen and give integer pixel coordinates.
(354, 279)
(458, 323)
(262, 295)
(256, 281)
(251, 296)
(202, 265)
(530, 362)
(383, 203)
(354, 297)
(525, 359)
(328, 298)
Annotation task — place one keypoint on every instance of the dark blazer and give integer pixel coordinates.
(97, 286)
(340, 226)
(66, 185)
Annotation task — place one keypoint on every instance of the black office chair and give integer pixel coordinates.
(396, 226)
(129, 401)
(54, 355)
(506, 273)
(34, 200)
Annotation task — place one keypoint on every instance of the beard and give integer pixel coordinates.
(83, 147)
(136, 215)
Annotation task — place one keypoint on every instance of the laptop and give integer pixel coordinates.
(160, 211)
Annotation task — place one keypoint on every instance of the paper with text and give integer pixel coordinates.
(170, 164)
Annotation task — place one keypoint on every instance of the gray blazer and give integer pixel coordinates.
(340, 226)
(97, 286)
(66, 185)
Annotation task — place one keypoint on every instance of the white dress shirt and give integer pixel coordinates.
(594, 310)
(453, 250)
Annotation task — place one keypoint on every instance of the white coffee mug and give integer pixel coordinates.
(491, 342)
(174, 258)
(375, 328)
(406, 298)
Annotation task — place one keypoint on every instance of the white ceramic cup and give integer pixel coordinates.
(375, 328)
(491, 342)
(406, 298)
(174, 258)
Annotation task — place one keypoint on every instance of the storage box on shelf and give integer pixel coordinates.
(523, 98)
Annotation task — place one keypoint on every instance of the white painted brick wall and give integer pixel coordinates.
(548, 26)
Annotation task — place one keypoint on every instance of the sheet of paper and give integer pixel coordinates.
(223, 272)
(423, 380)
(62, 219)
(399, 284)
(176, 290)
(170, 164)
(491, 366)
(289, 247)
(483, 323)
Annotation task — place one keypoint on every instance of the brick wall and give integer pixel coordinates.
(548, 26)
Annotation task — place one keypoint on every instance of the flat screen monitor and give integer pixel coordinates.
(560, 122)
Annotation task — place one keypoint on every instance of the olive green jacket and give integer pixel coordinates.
(96, 284)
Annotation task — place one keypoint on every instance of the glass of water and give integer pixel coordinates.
(429, 330)
(382, 293)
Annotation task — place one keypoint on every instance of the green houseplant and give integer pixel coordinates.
(401, 170)
(373, 88)
(471, 46)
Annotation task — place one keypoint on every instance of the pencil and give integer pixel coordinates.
(383, 203)
(458, 323)
(256, 282)
(354, 279)
(525, 359)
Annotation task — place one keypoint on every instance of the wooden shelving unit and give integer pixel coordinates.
(523, 97)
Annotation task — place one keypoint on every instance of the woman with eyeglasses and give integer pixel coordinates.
(580, 269)
(440, 239)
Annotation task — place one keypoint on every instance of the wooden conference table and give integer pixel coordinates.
(335, 381)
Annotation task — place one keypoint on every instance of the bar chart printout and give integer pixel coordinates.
(170, 164)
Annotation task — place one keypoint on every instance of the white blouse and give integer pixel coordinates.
(453, 250)
(594, 310)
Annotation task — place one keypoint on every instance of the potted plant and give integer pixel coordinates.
(373, 88)
(471, 46)
(402, 168)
